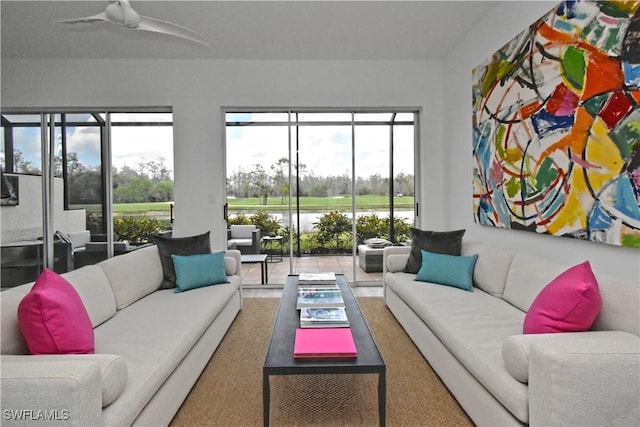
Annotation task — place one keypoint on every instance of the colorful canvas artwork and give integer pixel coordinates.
(556, 126)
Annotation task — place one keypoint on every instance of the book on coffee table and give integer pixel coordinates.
(323, 317)
(319, 297)
(315, 279)
(324, 343)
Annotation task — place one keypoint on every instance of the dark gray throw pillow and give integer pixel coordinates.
(439, 242)
(167, 246)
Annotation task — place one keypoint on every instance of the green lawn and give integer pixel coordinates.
(342, 203)
(142, 207)
(151, 207)
(307, 204)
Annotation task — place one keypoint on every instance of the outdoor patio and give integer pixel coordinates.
(278, 271)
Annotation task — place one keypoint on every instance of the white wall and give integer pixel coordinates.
(491, 33)
(197, 89)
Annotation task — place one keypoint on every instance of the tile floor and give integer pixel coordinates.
(273, 292)
(370, 284)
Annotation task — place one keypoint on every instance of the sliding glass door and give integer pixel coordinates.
(327, 183)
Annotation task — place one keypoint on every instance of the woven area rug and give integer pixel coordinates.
(229, 391)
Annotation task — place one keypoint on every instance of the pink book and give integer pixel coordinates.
(317, 343)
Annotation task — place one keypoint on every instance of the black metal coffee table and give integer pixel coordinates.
(280, 360)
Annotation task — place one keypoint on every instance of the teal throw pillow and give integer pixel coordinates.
(449, 270)
(196, 271)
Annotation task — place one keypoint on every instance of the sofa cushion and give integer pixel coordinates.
(449, 270)
(53, 319)
(153, 344)
(472, 325)
(196, 271)
(491, 269)
(167, 246)
(527, 276)
(440, 242)
(97, 296)
(241, 242)
(569, 303)
(133, 275)
(620, 309)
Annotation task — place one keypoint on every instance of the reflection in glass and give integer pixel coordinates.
(77, 197)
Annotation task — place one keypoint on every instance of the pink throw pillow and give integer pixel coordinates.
(569, 303)
(53, 318)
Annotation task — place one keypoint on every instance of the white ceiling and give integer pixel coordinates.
(302, 29)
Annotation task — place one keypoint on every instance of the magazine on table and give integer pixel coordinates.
(319, 297)
(323, 317)
(317, 279)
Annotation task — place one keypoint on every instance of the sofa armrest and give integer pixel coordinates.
(400, 253)
(61, 392)
(236, 256)
(590, 378)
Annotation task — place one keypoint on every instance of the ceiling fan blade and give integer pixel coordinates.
(86, 20)
(159, 26)
(121, 13)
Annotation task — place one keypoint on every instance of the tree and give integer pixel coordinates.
(156, 170)
(403, 184)
(260, 181)
(333, 227)
(21, 165)
(148, 182)
(370, 226)
(281, 178)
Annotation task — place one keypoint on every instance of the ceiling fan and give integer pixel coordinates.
(120, 12)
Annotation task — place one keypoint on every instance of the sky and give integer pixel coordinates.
(324, 150)
(130, 144)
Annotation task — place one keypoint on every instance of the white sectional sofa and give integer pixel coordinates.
(474, 342)
(151, 345)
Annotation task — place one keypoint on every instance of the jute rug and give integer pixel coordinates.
(229, 391)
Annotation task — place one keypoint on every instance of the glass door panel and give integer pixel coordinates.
(403, 183)
(325, 188)
(372, 159)
(142, 178)
(258, 194)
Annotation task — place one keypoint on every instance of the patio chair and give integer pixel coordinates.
(246, 238)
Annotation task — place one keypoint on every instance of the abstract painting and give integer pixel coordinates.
(556, 126)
